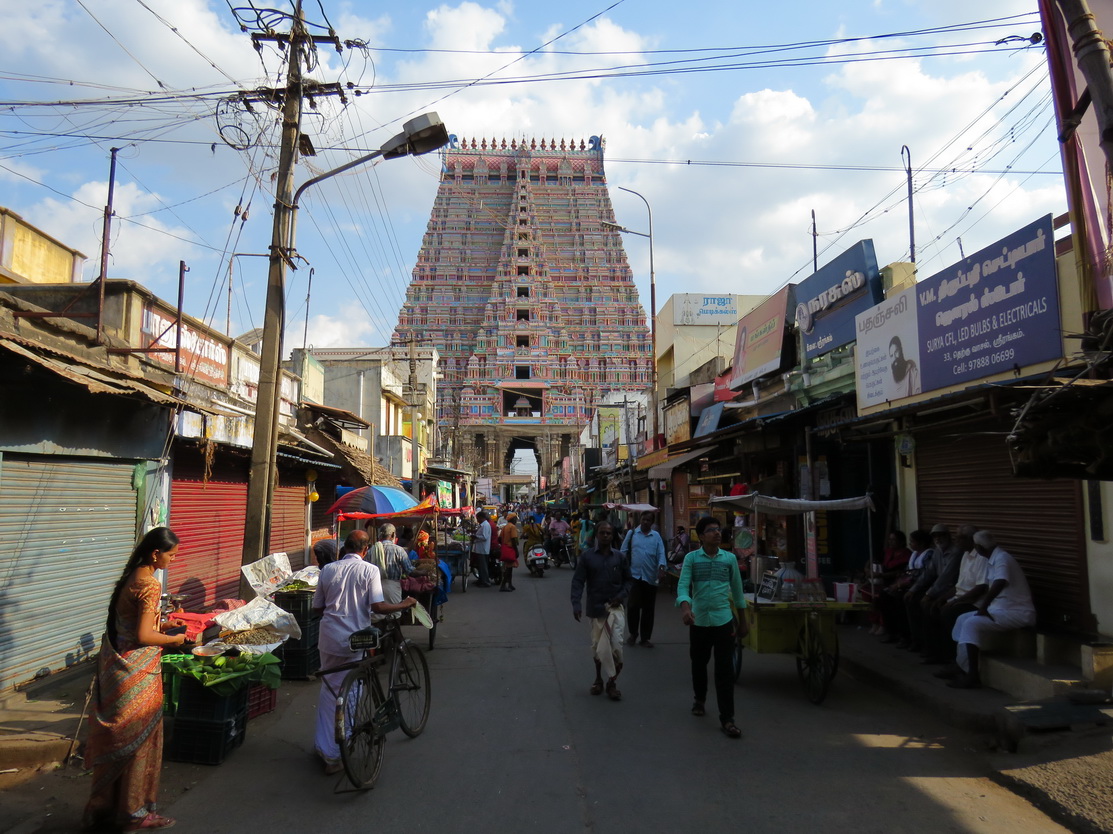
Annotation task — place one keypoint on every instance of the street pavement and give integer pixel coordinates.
(516, 743)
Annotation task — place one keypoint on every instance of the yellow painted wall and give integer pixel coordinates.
(28, 256)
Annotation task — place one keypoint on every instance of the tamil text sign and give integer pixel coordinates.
(995, 311)
(696, 309)
(758, 342)
(828, 301)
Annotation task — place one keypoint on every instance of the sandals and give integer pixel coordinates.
(597, 688)
(730, 730)
(613, 692)
(151, 822)
(697, 708)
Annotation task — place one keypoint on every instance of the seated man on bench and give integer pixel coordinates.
(1006, 606)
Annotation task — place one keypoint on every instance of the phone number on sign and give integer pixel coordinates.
(978, 363)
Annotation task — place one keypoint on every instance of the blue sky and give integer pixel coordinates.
(773, 143)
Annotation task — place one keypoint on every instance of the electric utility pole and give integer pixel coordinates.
(264, 448)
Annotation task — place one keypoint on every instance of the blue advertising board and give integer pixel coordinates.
(995, 311)
(830, 298)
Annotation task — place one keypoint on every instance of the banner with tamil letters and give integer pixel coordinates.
(996, 311)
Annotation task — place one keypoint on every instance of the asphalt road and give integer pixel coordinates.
(516, 743)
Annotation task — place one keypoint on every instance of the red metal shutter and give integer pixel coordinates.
(209, 518)
(964, 476)
(288, 523)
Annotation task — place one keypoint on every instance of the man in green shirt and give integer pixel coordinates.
(709, 581)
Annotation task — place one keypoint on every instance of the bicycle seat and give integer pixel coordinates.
(364, 639)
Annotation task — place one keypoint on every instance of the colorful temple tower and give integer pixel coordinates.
(529, 300)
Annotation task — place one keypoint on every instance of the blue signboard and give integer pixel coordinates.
(709, 419)
(828, 301)
(994, 311)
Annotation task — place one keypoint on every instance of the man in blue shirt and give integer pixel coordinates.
(709, 582)
(645, 550)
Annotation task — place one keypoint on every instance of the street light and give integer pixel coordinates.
(652, 296)
(420, 135)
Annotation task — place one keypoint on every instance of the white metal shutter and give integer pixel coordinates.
(67, 528)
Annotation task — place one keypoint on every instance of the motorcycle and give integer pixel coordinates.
(537, 560)
(561, 551)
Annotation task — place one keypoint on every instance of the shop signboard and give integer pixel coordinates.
(995, 311)
(697, 309)
(677, 422)
(203, 358)
(709, 419)
(609, 432)
(887, 361)
(760, 336)
(828, 301)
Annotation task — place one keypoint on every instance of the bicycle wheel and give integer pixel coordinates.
(361, 749)
(409, 686)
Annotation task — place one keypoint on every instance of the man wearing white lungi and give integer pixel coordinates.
(606, 573)
(1007, 605)
(349, 590)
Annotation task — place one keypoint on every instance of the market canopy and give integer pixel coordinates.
(428, 505)
(632, 508)
(755, 502)
(662, 470)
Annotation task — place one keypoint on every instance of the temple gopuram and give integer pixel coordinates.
(529, 300)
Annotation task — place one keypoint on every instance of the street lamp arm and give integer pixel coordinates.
(623, 229)
(345, 167)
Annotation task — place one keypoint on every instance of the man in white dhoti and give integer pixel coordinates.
(1007, 605)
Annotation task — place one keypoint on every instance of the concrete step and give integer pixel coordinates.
(1025, 679)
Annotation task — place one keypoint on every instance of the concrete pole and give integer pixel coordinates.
(264, 448)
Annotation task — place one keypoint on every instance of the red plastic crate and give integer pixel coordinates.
(261, 699)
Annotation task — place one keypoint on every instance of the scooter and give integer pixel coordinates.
(537, 560)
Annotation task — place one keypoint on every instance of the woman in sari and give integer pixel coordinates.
(124, 747)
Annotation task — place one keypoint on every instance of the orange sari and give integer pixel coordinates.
(124, 747)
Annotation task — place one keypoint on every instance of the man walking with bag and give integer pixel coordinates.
(606, 574)
(645, 551)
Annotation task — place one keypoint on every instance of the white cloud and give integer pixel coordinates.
(141, 251)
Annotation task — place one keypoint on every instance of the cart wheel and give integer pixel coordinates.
(834, 658)
(814, 664)
(464, 580)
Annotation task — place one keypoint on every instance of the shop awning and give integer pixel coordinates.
(662, 470)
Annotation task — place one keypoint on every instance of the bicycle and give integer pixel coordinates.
(364, 712)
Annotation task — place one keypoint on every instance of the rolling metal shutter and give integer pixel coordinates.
(67, 528)
(288, 523)
(209, 517)
(964, 476)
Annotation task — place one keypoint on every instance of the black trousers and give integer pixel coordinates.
(939, 624)
(703, 641)
(640, 608)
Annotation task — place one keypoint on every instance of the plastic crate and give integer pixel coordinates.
(298, 603)
(299, 664)
(198, 741)
(199, 702)
(308, 639)
(261, 699)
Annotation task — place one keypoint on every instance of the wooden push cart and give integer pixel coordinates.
(804, 628)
